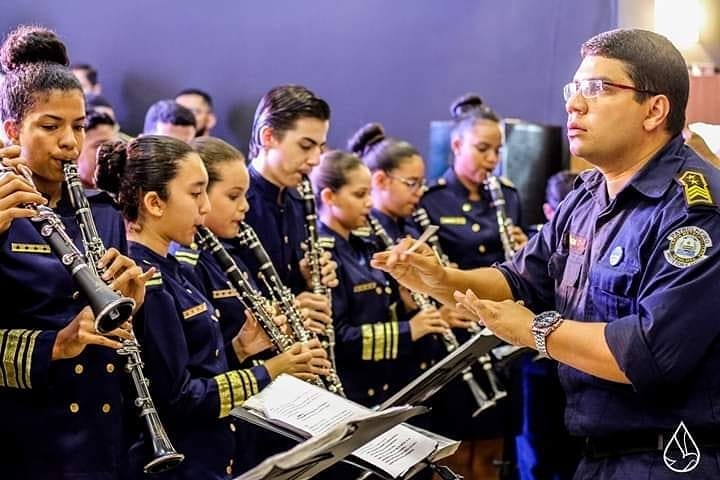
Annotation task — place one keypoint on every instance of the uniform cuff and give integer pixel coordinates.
(626, 341)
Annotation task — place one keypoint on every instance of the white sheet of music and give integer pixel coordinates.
(313, 410)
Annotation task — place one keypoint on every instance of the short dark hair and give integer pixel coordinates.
(200, 93)
(94, 119)
(146, 164)
(469, 109)
(213, 152)
(34, 61)
(653, 64)
(558, 186)
(93, 100)
(90, 73)
(281, 107)
(378, 151)
(168, 111)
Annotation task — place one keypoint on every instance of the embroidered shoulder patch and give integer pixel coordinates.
(687, 247)
(695, 188)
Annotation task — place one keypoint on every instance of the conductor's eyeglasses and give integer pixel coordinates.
(591, 88)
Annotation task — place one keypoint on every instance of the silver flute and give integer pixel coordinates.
(164, 456)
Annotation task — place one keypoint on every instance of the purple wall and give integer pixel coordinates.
(400, 62)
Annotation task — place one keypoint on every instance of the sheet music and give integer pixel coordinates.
(308, 408)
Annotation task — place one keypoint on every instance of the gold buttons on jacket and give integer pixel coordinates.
(385, 387)
(378, 290)
(388, 290)
(475, 227)
(371, 392)
(217, 352)
(232, 427)
(466, 207)
(110, 368)
(74, 407)
(482, 248)
(106, 408)
(228, 470)
(286, 239)
(79, 369)
(423, 366)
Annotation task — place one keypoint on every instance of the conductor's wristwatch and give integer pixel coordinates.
(542, 326)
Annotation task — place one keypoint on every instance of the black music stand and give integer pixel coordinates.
(319, 453)
(434, 379)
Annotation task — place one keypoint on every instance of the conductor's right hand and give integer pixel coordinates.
(80, 332)
(419, 270)
(305, 361)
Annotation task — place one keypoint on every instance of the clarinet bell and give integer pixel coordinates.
(111, 310)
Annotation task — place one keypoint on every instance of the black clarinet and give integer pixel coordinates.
(164, 456)
(315, 251)
(248, 295)
(110, 309)
(282, 296)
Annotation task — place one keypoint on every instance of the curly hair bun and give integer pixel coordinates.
(31, 44)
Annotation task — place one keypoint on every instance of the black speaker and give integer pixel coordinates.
(531, 155)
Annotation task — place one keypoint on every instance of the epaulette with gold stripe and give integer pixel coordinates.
(187, 256)
(696, 189)
(234, 387)
(328, 243)
(16, 353)
(380, 341)
(155, 280)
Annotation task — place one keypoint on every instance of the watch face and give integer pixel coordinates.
(546, 319)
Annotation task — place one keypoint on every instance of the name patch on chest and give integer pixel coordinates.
(687, 247)
(196, 310)
(453, 220)
(364, 287)
(30, 248)
(577, 244)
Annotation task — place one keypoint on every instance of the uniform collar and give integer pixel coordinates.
(454, 183)
(655, 177)
(387, 219)
(265, 187)
(149, 258)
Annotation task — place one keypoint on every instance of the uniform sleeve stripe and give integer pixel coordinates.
(3, 340)
(388, 340)
(28, 357)
(20, 365)
(11, 347)
(367, 342)
(224, 393)
(395, 339)
(238, 387)
(379, 334)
